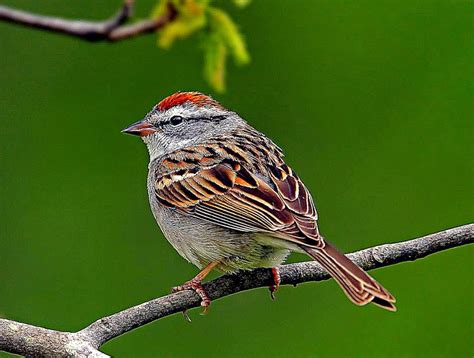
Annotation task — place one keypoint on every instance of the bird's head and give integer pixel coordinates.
(183, 119)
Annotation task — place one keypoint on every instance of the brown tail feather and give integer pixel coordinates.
(359, 287)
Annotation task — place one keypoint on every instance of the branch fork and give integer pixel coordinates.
(111, 30)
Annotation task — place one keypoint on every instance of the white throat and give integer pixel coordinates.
(158, 145)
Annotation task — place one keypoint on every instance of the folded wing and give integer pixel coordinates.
(223, 189)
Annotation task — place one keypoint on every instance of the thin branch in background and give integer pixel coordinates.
(21, 338)
(171, 20)
(111, 30)
(143, 27)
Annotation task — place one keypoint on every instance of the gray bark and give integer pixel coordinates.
(110, 30)
(35, 341)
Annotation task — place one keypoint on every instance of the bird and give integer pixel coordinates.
(225, 199)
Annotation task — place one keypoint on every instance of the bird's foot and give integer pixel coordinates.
(276, 282)
(196, 286)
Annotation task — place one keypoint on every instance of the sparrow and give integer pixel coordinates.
(225, 199)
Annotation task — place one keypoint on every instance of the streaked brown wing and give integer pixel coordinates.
(221, 189)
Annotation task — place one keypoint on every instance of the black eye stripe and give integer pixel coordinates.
(206, 119)
(178, 119)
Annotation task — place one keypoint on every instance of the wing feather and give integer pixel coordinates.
(219, 186)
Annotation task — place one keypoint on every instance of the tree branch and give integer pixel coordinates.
(29, 340)
(108, 30)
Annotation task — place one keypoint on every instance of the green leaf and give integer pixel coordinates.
(160, 9)
(242, 3)
(179, 29)
(191, 17)
(222, 24)
(215, 62)
(221, 39)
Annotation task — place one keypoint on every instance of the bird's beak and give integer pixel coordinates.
(141, 128)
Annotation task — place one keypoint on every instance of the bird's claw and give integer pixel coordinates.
(276, 282)
(186, 316)
(196, 286)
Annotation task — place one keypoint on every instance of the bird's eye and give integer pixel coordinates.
(175, 120)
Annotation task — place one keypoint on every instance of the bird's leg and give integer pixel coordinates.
(276, 282)
(196, 286)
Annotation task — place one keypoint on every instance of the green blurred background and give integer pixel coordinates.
(371, 100)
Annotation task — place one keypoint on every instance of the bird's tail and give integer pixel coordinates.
(355, 282)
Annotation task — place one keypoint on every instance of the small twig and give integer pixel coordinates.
(143, 27)
(93, 31)
(25, 339)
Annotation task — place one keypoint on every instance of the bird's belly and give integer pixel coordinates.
(200, 243)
